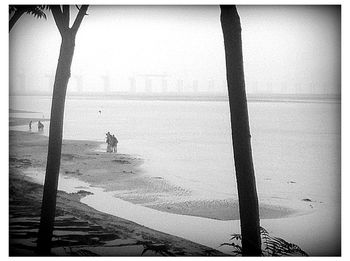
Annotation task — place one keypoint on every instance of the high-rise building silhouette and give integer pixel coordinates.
(211, 85)
(180, 85)
(195, 86)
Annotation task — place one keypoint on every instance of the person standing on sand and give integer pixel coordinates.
(30, 125)
(40, 126)
(114, 143)
(109, 141)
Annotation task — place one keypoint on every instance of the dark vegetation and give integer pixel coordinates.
(271, 246)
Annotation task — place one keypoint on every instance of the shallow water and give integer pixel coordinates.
(323, 238)
(296, 146)
(192, 228)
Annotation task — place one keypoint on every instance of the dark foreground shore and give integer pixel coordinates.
(79, 229)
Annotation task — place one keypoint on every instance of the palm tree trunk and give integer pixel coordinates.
(55, 143)
(247, 194)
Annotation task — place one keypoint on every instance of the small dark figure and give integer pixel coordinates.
(114, 143)
(30, 125)
(99, 111)
(109, 141)
(40, 126)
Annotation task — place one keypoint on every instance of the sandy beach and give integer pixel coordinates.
(123, 174)
(79, 229)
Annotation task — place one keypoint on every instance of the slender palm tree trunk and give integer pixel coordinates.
(55, 143)
(247, 194)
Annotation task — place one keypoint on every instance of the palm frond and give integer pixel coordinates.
(236, 237)
(38, 11)
(12, 9)
(162, 249)
(270, 246)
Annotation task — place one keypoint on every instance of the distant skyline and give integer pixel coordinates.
(161, 84)
(179, 49)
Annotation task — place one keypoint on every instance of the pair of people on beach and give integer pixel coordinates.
(112, 142)
(40, 126)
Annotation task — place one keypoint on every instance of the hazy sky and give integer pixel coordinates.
(286, 49)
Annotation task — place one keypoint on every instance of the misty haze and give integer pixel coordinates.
(130, 133)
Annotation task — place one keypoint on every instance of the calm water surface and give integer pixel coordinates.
(296, 146)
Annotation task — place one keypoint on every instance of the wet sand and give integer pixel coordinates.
(79, 229)
(123, 174)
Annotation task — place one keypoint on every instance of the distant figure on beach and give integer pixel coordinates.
(109, 141)
(114, 143)
(30, 125)
(99, 111)
(40, 126)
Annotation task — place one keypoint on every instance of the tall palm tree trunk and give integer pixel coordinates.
(247, 194)
(55, 143)
(48, 208)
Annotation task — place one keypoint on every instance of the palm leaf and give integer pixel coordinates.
(38, 11)
(271, 246)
